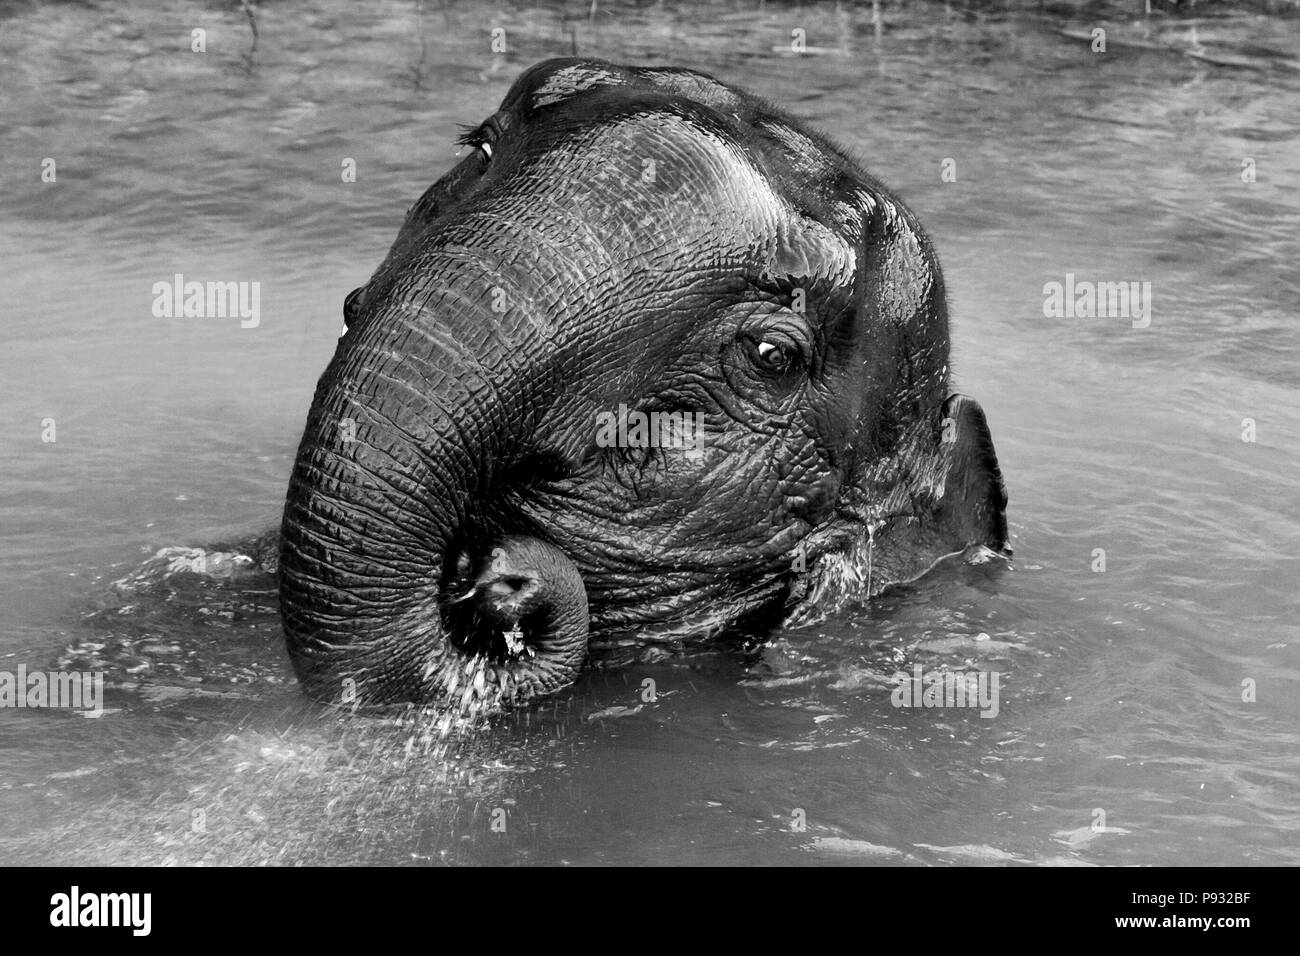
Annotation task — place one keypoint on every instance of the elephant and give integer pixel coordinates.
(654, 358)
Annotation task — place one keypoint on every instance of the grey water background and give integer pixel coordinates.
(1121, 691)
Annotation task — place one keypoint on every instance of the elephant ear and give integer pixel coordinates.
(972, 496)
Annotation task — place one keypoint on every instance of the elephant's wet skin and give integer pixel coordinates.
(647, 241)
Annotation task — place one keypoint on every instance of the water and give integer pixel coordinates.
(1120, 691)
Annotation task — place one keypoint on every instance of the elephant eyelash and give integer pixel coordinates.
(469, 135)
(481, 136)
(475, 137)
(486, 134)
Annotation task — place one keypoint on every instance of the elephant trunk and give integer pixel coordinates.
(409, 431)
(531, 595)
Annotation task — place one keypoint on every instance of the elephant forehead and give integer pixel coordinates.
(663, 170)
(695, 86)
(566, 81)
(555, 81)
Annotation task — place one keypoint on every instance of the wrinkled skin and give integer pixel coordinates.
(651, 238)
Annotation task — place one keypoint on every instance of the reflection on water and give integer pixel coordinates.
(1121, 691)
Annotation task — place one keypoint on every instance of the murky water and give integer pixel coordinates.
(1121, 691)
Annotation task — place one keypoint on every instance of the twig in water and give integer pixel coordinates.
(252, 22)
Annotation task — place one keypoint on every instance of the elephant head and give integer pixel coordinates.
(651, 357)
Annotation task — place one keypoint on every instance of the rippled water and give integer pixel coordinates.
(1120, 691)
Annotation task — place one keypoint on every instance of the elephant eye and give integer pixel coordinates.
(773, 357)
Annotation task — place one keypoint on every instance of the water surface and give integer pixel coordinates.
(1121, 690)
